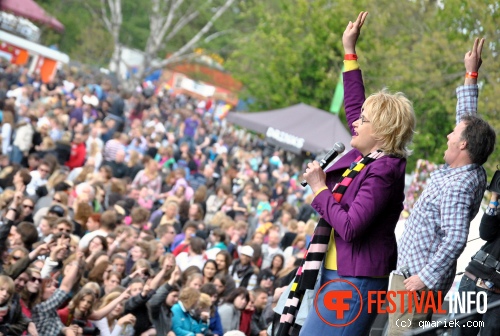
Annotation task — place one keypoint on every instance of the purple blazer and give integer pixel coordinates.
(365, 219)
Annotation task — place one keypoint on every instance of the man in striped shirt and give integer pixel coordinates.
(113, 146)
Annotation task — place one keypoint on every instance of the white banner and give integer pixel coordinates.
(197, 87)
(285, 138)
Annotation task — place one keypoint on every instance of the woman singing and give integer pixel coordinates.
(359, 200)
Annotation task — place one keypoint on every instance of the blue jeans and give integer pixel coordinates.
(314, 324)
(491, 318)
(16, 156)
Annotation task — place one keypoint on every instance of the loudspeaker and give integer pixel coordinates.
(495, 183)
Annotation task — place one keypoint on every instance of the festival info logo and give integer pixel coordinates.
(339, 302)
(345, 303)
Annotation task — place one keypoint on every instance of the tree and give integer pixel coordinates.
(166, 30)
(166, 19)
(111, 15)
(416, 47)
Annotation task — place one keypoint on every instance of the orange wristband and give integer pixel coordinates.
(350, 57)
(471, 75)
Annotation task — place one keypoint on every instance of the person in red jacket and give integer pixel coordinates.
(78, 152)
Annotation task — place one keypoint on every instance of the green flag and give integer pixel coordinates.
(338, 96)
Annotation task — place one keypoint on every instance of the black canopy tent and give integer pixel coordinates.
(296, 128)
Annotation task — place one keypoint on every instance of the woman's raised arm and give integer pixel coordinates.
(354, 90)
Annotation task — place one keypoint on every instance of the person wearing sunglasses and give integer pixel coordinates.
(39, 178)
(20, 259)
(20, 282)
(27, 210)
(16, 254)
(30, 291)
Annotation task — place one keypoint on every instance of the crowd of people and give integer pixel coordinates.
(139, 214)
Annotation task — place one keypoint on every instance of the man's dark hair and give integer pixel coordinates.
(67, 222)
(62, 186)
(258, 290)
(237, 292)
(29, 234)
(190, 224)
(209, 289)
(174, 288)
(197, 245)
(108, 220)
(480, 138)
(25, 175)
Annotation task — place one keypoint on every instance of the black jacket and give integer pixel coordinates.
(63, 151)
(489, 230)
(14, 323)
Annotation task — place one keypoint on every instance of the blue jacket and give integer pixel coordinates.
(184, 324)
(216, 324)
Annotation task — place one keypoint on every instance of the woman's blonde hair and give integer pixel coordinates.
(134, 158)
(298, 238)
(93, 286)
(48, 143)
(5, 198)
(57, 177)
(310, 226)
(110, 297)
(84, 175)
(204, 302)
(189, 297)
(393, 121)
(193, 277)
(63, 197)
(170, 203)
(94, 149)
(6, 280)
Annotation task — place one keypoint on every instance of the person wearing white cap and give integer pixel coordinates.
(242, 270)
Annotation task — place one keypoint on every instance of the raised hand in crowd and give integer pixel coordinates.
(139, 272)
(473, 61)
(59, 251)
(104, 311)
(40, 250)
(16, 202)
(352, 32)
(70, 277)
(175, 276)
(145, 290)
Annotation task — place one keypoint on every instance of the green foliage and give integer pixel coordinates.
(84, 38)
(295, 54)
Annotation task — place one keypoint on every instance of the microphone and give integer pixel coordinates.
(329, 157)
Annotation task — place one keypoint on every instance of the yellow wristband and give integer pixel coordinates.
(317, 192)
(351, 65)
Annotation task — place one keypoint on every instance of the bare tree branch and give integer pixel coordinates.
(213, 36)
(170, 18)
(93, 12)
(183, 21)
(105, 19)
(200, 34)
